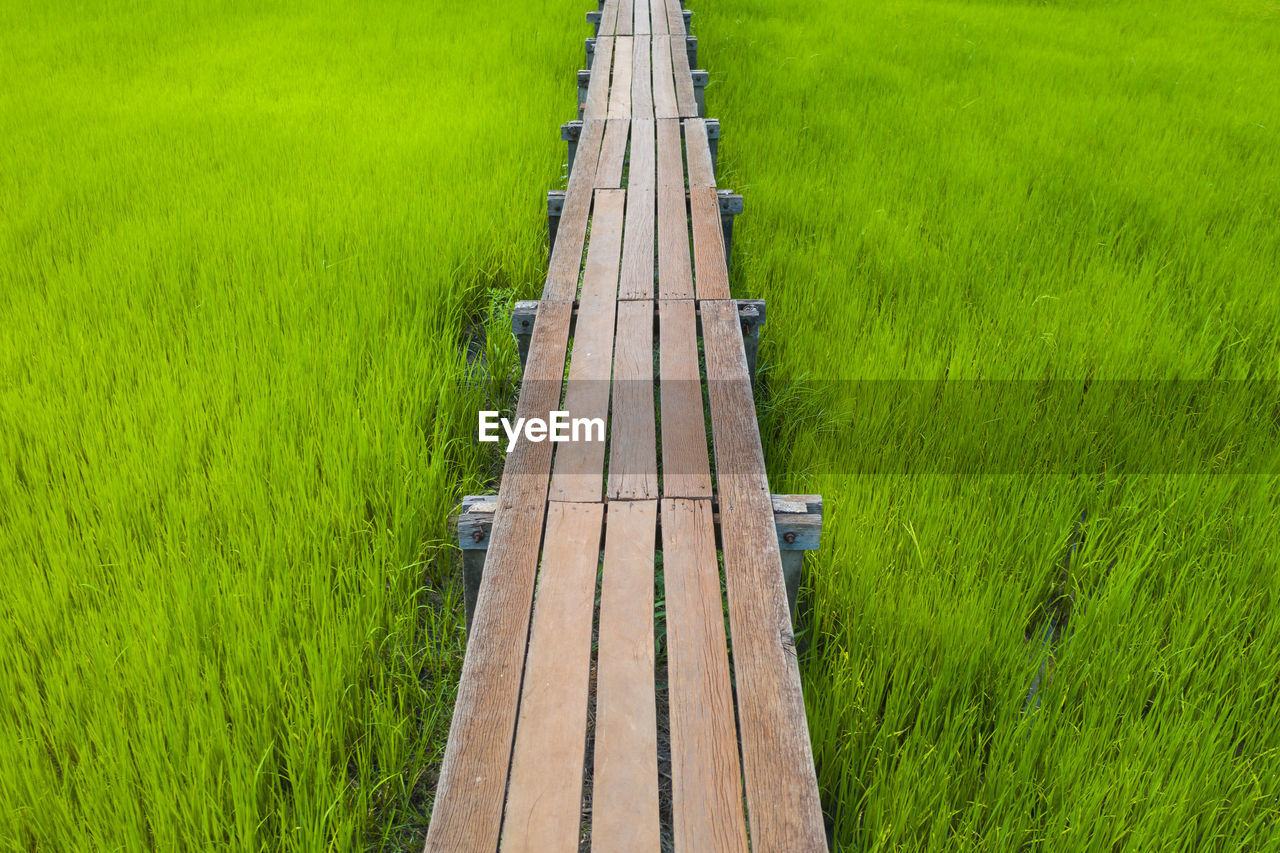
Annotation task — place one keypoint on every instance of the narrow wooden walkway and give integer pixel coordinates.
(639, 259)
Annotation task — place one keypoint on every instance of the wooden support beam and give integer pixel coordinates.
(751, 312)
(700, 80)
(796, 518)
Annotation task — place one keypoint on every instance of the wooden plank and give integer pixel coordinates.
(698, 154)
(675, 273)
(597, 103)
(613, 153)
(608, 19)
(642, 27)
(708, 244)
(637, 249)
(620, 85)
(675, 19)
(638, 246)
(658, 17)
(664, 89)
(566, 255)
(643, 172)
(633, 463)
(578, 474)
(642, 78)
(624, 793)
(782, 792)
(626, 16)
(686, 470)
(685, 101)
(467, 812)
(705, 775)
(544, 800)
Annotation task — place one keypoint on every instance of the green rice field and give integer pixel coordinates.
(1021, 263)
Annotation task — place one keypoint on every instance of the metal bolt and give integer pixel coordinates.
(789, 538)
(477, 536)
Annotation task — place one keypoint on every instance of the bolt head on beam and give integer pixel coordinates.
(730, 202)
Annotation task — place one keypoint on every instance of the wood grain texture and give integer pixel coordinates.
(686, 470)
(626, 15)
(658, 17)
(633, 463)
(613, 153)
(544, 800)
(578, 473)
(705, 774)
(597, 104)
(675, 271)
(624, 793)
(638, 249)
(675, 18)
(709, 263)
(643, 174)
(641, 26)
(664, 86)
(685, 101)
(620, 84)
(698, 154)
(566, 255)
(608, 19)
(467, 812)
(642, 79)
(782, 792)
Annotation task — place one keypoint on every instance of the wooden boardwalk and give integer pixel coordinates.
(636, 308)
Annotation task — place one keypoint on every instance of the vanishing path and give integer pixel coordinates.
(653, 279)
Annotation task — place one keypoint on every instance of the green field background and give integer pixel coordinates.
(255, 263)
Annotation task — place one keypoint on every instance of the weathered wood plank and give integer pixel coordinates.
(624, 793)
(686, 469)
(664, 88)
(641, 27)
(608, 19)
(613, 153)
(578, 473)
(467, 812)
(620, 85)
(782, 792)
(544, 800)
(597, 103)
(633, 463)
(626, 15)
(566, 255)
(638, 247)
(698, 154)
(710, 268)
(675, 273)
(675, 19)
(706, 779)
(643, 173)
(642, 79)
(658, 17)
(685, 100)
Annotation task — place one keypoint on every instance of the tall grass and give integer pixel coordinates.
(245, 249)
(1050, 196)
